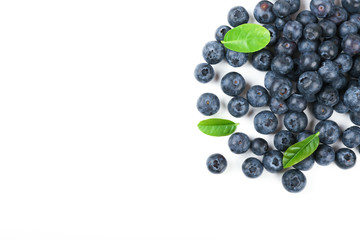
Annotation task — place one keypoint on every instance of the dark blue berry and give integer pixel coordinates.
(355, 118)
(344, 62)
(281, 8)
(233, 84)
(261, 60)
(312, 32)
(269, 78)
(355, 18)
(216, 163)
(305, 17)
(352, 6)
(252, 167)
(283, 140)
(328, 50)
(329, 131)
(329, 71)
(351, 44)
(296, 102)
(340, 83)
(307, 46)
(265, 122)
(321, 111)
(204, 72)
(239, 143)
(294, 5)
(345, 158)
(295, 121)
(238, 107)
(281, 88)
(213, 52)
(263, 12)
(340, 107)
(237, 16)
(280, 22)
(351, 137)
(340, 15)
(352, 99)
(236, 59)
(258, 96)
(355, 69)
(220, 32)
(322, 8)
(328, 28)
(284, 46)
(328, 96)
(259, 146)
(208, 104)
(346, 28)
(278, 106)
(293, 30)
(305, 164)
(303, 135)
(294, 180)
(272, 161)
(324, 155)
(282, 64)
(309, 61)
(309, 83)
(274, 34)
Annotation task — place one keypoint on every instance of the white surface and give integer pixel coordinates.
(98, 136)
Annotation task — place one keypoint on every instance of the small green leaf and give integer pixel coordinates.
(247, 38)
(217, 127)
(301, 150)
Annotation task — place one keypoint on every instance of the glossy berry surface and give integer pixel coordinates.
(283, 140)
(282, 64)
(261, 60)
(306, 17)
(233, 84)
(237, 16)
(355, 118)
(305, 164)
(238, 107)
(236, 59)
(208, 104)
(213, 52)
(345, 158)
(310, 83)
(258, 96)
(351, 137)
(328, 28)
(329, 131)
(312, 32)
(309, 61)
(259, 146)
(216, 163)
(324, 155)
(321, 111)
(252, 167)
(265, 122)
(322, 8)
(263, 12)
(239, 143)
(296, 102)
(281, 89)
(204, 72)
(294, 180)
(278, 106)
(352, 99)
(272, 161)
(295, 121)
(220, 32)
(328, 96)
(293, 30)
(281, 8)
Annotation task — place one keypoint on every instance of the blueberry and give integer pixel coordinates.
(283, 140)
(280, 22)
(208, 104)
(261, 60)
(294, 180)
(270, 77)
(237, 16)
(352, 99)
(309, 61)
(340, 107)
(355, 18)
(278, 106)
(220, 32)
(355, 118)
(294, 5)
(295, 121)
(259, 146)
(281, 8)
(303, 135)
(265, 122)
(236, 59)
(204, 72)
(309, 83)
(329, 71)
(321, 111)
(263, 12)
(328, 28)
(272, 161)
(312, 32)
(324, 155)
(328, 50)
(238, 107)
(252, 167)
(355, 69)
(282, 64)
(305, 164)
(296, 71)
(328, 96)
(258, 96)
(216, 163)
(352, 6)
(340, 83)
(344, 62)
(345, 158)
(340, 15)
(329, 131)
(284, 46)
(305, 17)
(274, 34)
(351, 137)
(233, 84)
(239, 143)
(351, 44)
(307, 46)
(346, 28)
(322, 8)
(296, 102)
(293, 30)
(213, 52)
(281, 88)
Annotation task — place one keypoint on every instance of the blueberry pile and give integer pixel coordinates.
(312, 61)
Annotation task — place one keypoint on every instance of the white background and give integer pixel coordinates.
(98, 136)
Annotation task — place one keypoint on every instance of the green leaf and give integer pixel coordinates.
(301, 150)
(247, 38)
(217, 127)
